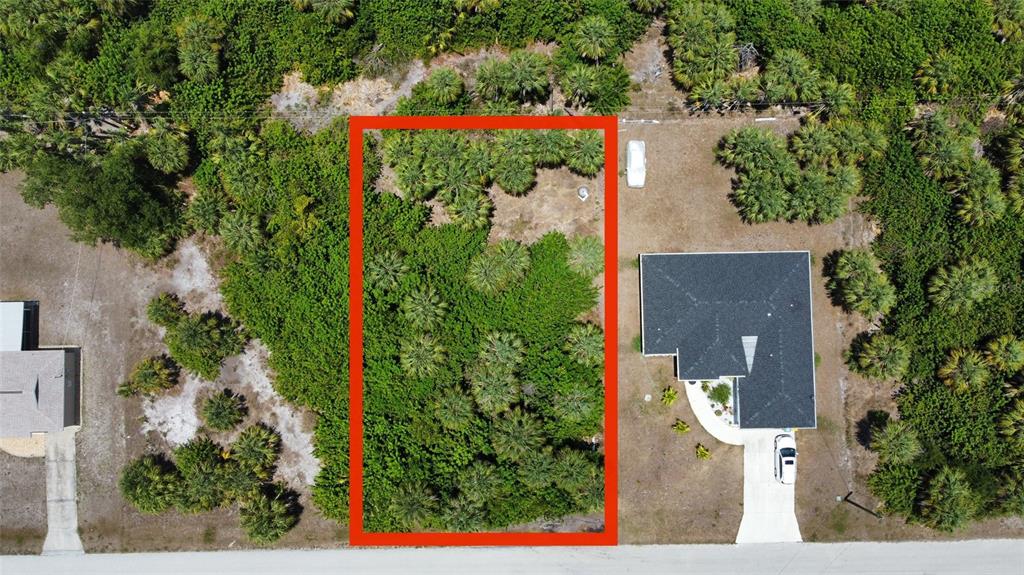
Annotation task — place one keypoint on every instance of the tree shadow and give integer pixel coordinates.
(867, 426)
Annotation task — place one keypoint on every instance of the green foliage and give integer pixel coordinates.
(585, 343)
(267, 514)
(498, 267)
(950, 501)
(964, 369)
(586, 255)
(681, 427)
(223, 410)
(702, 452)
(700, 35)
(897, 487)
(669, 395)
(150, 376)
(721, 394)
(961, 286)
(198, 342)
(860, 285)
(150, 484)
(896, 443)
(880, 356)
(1005, 354)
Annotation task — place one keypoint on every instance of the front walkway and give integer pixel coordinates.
(61, 495)
(769, 514)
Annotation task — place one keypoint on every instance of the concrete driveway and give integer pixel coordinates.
(61, 495)
(769, 514)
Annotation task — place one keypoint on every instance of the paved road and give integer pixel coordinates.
(61, 495)
(998, 557)
(769, 514)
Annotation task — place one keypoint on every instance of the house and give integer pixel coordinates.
(745, 316)
(39, 388)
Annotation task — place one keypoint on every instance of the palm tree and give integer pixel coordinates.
(861, 285)
(1005, 354)
(513, 258)
(166, 310)
(413, 505)
(205, 210)
(1008, 19)
(502, 348)
(648, 6)
(454, 409)
(494, 387)
(515, 435)
(943, 151)
(493, 78)
(961, 286)
(586, 153)
(484, 276)
(980, 207)
(480, 482)
(789, 77)
(837, 98)
(224, 410)
(711, 94)
(267, 514)
(478, 6)
(335, 11)
(444, 85)
(880, 356)
(1011, 424)
(515, 174)
(478, 162)
(256, 450)
(815, 143)
(585, 343)
(896, 443)
(167, 150)
(385, 270)
(950, 501)
(150, 484)
(550, 146)
(240, 232)
(938, 74)
(527, 75)
(572, 407)
(964, 369)
(580, 476)
(753, 148)
(198, 461)
(579, 84)
(1015, 195)
(499, 266)
(462, 515)
(593, 37)
(761, 196)
(586, 255)
(810, 194)
(151, 375)
(471, 211)
(421, 356)
(537, 469)
(1013, 98)
(198, 62)
(424, 308)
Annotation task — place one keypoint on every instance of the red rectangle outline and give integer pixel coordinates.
(357, 124)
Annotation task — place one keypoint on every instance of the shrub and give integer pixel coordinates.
(702, 453)
(702, 42)
(950, 502)
(200, 342)
(964, 369)
(681, 427)
(267, 514)
(961, 286)
(896, 443)
(223, 410)
(586, 255)
(165, 310)
(585, 343)
(721, 394)
(256, 450)
(150, 376)
(861, 285)
(669, 396)
(151, 484)
(1005, 354)
(881, 356)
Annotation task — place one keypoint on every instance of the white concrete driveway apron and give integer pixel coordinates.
(769, 514)
(61, 495)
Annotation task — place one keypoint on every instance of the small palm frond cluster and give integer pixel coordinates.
(499, 267)
(965, 369)
(585, 344)
(960, 287)
(880, 356)
(424, 308)
(896, 443)
(861, 285)
(384, 271)
(492, 379)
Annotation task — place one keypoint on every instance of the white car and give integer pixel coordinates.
(785, 459)
(636, 163)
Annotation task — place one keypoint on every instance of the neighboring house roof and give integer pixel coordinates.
(12, 317)
(745, 314)
(33, 392)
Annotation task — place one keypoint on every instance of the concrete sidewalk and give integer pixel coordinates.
(61, 495)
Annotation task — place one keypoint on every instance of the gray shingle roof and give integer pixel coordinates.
(704, 307)
(34, 394)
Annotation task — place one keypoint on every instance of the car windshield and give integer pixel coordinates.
(787, 452)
